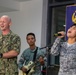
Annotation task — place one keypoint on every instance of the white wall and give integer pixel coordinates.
(28, 19)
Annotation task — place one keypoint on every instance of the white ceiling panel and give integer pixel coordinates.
(4, 9)
(10, 5)
(22, 0)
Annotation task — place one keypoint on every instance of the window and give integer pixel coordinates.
(56, 22)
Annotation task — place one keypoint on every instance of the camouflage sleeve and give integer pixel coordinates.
(56, 47)
(21, 61)
(44, 52)
(41, 53)
(16, 43)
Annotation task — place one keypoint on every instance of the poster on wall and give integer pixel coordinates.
(70, 16)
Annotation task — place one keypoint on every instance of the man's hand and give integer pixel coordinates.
(24, 69)
(41, 60)
(63, 34)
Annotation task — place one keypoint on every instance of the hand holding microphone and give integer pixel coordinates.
(60, 34)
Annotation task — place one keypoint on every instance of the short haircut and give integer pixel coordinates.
(31, 34)
(73, 25)
(6, 16)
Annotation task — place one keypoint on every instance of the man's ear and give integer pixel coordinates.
(35, 40)
(10, 23)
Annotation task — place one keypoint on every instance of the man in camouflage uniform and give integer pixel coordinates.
(28, 55)
(67, 51)
(9, 48)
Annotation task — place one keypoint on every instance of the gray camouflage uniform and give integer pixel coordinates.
(9, 42)
(67, 57)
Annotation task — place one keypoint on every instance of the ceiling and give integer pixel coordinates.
(21, 0)
(10, 5)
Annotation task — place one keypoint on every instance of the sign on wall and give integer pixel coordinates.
(70, 16)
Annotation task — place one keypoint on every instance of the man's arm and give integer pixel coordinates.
(55, 48)
(21, 62)
(14, 48)
(41, 56)
(10, 54)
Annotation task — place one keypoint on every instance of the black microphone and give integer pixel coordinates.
(57, 34)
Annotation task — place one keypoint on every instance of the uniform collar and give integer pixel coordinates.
(7, 34)
(33, 50)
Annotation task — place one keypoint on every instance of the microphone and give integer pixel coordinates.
(57, 34)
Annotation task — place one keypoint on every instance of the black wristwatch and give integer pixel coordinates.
(1, 55)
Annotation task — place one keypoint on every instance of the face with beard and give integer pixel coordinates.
(31, 40)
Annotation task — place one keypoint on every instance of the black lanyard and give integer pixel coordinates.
(34, 57)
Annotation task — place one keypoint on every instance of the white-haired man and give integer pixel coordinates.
(9, 48)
